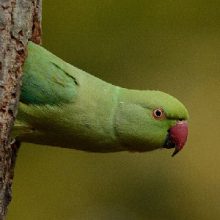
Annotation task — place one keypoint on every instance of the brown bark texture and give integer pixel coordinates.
(20, 21)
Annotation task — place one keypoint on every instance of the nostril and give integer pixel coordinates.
(181, 122)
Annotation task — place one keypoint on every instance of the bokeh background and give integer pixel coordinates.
(173, 46)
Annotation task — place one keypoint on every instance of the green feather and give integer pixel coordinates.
(46, 79)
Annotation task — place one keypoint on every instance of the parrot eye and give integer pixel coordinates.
(158, 113)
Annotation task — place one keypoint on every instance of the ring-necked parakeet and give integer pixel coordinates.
(61, 105)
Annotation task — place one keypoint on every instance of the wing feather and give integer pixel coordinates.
(46, 79)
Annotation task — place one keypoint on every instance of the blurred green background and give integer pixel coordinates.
(173, 46)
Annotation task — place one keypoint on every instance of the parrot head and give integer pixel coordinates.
(149, 120)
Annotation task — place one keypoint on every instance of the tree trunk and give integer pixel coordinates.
(20, 21)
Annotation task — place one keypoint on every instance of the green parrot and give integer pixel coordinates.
(61, 105)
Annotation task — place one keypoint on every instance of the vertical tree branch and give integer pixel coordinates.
(20, 21)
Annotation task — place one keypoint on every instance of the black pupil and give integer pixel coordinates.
(158, 113)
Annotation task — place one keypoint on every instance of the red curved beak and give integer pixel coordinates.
(178, 135)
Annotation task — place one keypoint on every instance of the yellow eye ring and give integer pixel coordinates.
(158, 113)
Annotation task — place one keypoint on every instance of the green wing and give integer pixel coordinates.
(46, 79)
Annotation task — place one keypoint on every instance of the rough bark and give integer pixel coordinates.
(20, 21)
